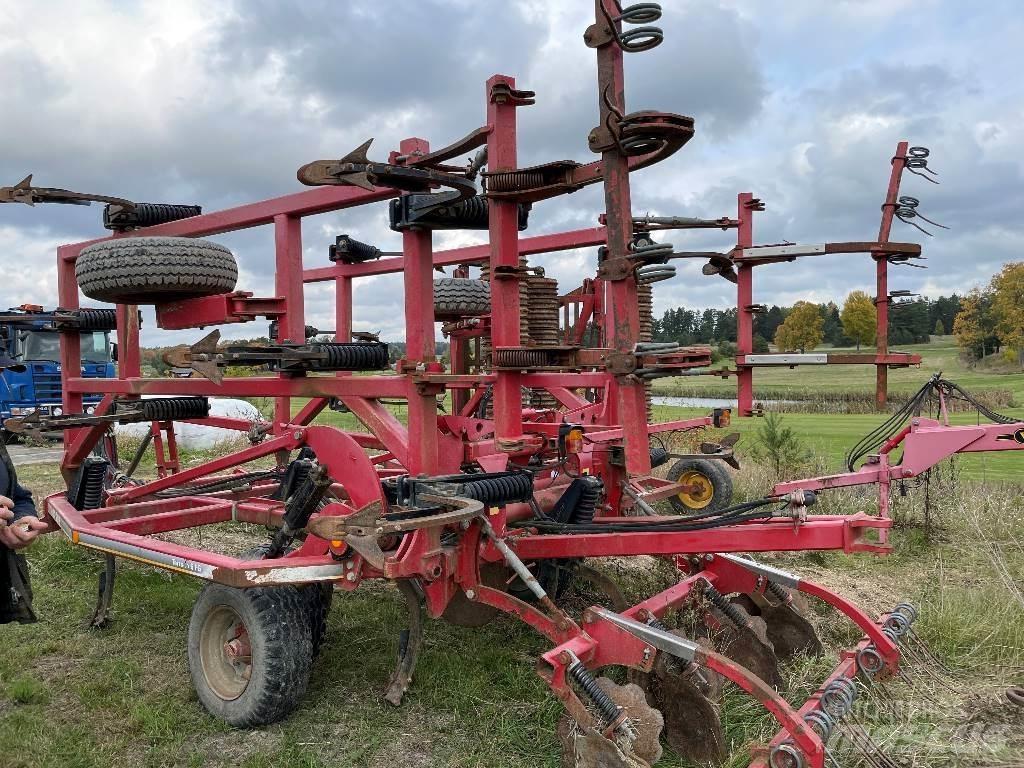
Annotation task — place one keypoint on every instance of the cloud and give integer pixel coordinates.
(219, 102)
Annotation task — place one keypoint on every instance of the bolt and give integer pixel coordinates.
(297, 434)
(589, 617)
(471, 594)
(350, 576)
(709, 557)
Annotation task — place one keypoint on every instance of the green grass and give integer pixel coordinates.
(123, 695)
(941, 354)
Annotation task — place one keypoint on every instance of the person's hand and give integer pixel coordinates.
(20, 534)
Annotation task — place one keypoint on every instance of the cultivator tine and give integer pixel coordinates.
(100, 618)
(409, 643)
(25, 192)
(742, 637)
(201, 357)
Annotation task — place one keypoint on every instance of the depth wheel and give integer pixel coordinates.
(709, 486)
(250, 652)
(317, 597)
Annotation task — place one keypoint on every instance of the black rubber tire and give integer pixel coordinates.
(275, 619)
(716, 474)
(461, 297)
(152, 270)
(317, 598)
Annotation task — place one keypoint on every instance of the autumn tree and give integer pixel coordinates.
(1008, 307)
(974, 325)
(858, 318)
(802, 329)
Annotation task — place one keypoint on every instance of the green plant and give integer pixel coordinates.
(779, 447)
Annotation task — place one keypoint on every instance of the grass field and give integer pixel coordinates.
(74, 697)
(941, 354)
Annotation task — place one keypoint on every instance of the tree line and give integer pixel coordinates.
(806, 325)
(991, 319)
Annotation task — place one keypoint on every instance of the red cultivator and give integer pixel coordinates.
(544, 459)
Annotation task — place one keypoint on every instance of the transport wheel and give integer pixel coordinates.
(250, 652)
(710, 486)
(461, 297)
(316, 597)
(151, 270)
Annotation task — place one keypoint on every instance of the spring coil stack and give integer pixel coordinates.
(487, 361)
(732, 612)
(97, 319)
(645, 305)
(175, 408)
(497, 491)
(354, 357)
(542, 316)
(146, 215)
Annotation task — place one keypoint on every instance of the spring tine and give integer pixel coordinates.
(922, 646)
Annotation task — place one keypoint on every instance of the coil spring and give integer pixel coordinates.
(642, 38)
(906, 210)
(498, 491)
(175, 408)
(651, 251)
(97, 319)
(350, 251)
(589, 498)
(588, 683)
(147, 215)
(821, 723)
(917, 158)
(779, 592)
(870, 661)
(353, 357)
(473, 212)
(511, 181)
(838, 697)
(92, 482)
(655, 273)
(521, 358)
(732, 612)
(908, 610)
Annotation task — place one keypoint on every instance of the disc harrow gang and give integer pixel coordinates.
(515, 463)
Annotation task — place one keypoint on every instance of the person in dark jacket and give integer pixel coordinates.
(19, 526)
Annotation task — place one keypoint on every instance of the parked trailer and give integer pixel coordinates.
(546, 460)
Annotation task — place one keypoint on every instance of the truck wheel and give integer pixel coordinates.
(461, 297)
(152, 270)
(710, 486)
(250, 652)
(317, 597)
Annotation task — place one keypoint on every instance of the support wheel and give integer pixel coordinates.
(250, 652)
(317, 597)
(151, 270)
(461, 297)
(709, 486)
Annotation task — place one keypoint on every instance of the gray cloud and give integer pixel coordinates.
(218, 103)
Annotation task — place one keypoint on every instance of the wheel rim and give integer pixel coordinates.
(702, 490)
(225, 653)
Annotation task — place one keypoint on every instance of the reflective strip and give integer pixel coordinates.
(810, 358)
(785, 578)
(769, 251)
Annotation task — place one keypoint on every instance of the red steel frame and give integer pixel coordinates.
(747, 256)
(432, 443)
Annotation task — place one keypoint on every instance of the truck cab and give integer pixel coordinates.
(32, 337)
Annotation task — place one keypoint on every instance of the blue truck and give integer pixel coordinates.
(31, 336)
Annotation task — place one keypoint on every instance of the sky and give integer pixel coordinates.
(801, 102)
